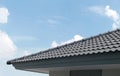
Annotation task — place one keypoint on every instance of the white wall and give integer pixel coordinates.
(107, 72)
(59, 73)
(112, 72)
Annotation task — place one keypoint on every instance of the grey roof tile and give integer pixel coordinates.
(101, 43)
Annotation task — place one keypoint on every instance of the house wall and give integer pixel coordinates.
(59, 73)
(112, 72)
(107, 72)
(86, 73)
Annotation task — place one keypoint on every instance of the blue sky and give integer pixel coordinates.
(29, 26)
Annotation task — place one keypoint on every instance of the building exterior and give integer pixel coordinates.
(95, 56)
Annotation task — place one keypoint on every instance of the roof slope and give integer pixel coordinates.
(106, 42)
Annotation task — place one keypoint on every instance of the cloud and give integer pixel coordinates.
(108, 12)
(54, 44)
(113, 14)
(4, 13)
(75, 38)
(7, 47)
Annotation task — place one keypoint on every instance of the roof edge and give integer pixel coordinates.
(8, 63)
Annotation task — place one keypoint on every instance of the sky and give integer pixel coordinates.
(30, 26)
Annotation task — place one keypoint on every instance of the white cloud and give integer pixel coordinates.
(110, 13)
(75, 38)
(7, 47)
(4, 13)
(78, 37)
(113, 14)
(54, 44)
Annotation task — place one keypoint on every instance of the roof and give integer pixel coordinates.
(106, 42)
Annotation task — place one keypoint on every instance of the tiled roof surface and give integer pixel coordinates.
(101, 43)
